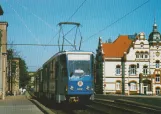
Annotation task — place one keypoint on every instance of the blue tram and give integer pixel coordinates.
(67, 76)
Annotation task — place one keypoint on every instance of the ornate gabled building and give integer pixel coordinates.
(155, 58)
(130, 65)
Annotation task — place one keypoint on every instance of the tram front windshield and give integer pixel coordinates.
(80, 67)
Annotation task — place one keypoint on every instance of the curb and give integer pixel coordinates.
(44, 109)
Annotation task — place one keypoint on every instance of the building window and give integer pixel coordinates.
(141, 44)
(145, 70)
(157, 63)
(142, 55)
(132, 70)
(132, 86)
(118, 70)
(137, 54)
(157, 79)
(157, 91)
(118, 86)
(146, 54)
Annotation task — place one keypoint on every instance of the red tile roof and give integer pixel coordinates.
(117, 48)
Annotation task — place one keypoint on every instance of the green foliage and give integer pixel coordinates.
(13, 67)
(10, 54)
(99, 74)
(24, 78)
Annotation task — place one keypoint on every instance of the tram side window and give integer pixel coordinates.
(63, 65)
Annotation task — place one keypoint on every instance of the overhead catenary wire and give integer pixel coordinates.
(38, 17)
(23, 22)
(70, 17)
(36, 44)
(76, 10)
(125, 15)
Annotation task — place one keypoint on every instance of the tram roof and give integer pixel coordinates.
(68, 52)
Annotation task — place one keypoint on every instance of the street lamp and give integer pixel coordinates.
(128, 84)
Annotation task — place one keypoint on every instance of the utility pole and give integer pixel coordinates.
(9, 71)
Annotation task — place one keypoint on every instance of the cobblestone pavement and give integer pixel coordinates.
(18, 105)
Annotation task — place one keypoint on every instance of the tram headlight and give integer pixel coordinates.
(87, 87)
(71, 88)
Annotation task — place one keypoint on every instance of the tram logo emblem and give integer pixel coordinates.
(80, 83)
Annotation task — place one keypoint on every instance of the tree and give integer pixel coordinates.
(24, 78)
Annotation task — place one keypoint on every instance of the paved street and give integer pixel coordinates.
(18, 105)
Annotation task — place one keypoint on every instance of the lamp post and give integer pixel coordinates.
(128, 84)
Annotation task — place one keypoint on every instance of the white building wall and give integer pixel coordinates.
(110, 77)
(110, 68)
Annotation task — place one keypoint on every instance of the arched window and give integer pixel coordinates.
(145, 69)
(132, 70)
(146, 54)
(141, 54)
(157, 63)
(137, 54)
(133, 86)
(118, 70)
(118, 85)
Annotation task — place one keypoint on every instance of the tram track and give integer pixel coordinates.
(102, 106)
(120, 106)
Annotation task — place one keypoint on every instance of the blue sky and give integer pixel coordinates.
(35, 21)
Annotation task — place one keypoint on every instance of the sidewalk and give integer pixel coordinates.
(18, 105)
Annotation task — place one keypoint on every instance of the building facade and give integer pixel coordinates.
(3, 58)
(130, 64)
(32, 76)
(14, 77)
